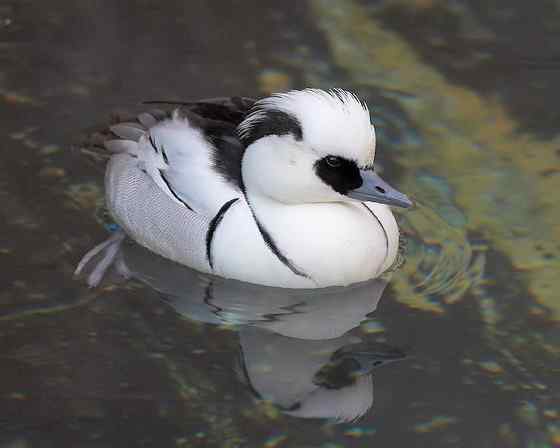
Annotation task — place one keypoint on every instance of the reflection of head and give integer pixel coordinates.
(284, 371)
(295, 347)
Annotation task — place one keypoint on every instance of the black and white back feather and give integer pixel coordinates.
(191, 155)
(192, 152)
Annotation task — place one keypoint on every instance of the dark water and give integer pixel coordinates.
(474, 308)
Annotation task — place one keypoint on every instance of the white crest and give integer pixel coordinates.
(333, 122)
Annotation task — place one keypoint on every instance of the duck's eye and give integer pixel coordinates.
(333, 161)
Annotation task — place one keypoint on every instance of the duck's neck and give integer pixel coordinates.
(273, 214)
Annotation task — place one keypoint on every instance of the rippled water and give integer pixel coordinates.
(459, 347)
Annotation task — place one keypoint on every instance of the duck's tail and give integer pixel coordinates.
(120, 135)
(123, 135)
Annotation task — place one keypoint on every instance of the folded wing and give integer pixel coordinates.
(193, 154)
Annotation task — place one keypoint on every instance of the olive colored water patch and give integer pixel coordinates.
(502, 47)
(502, 179)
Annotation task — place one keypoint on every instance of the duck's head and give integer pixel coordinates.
(309, 146)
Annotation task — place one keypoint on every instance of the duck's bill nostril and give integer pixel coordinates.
(375, 189)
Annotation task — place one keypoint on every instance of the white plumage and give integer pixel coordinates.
(335, 122)
(273, 192)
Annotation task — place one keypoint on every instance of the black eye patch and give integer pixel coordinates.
(341, 174)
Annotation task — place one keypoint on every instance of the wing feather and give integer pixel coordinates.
(193, 154)
(189, 169)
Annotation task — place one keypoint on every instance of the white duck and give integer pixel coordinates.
(278, 192)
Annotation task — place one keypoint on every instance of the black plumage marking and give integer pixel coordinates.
(227, 153)
(153, 143)
(218, 119)
(227, 109)
(380, 225)
(273, 122)
(338, 373)
(269, 241)
(164, 154)
(218, 123)
(172, 191)
(232, 111)
(341, 177)
(213, 226)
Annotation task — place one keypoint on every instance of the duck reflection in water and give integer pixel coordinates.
(296, 349)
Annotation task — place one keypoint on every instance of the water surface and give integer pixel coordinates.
(464, 98)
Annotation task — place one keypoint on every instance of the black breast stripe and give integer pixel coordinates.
(172, 192)
(382, 228)
(271, 244)
(212, 229)
(276, 251)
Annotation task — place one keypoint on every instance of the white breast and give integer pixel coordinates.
(241, 253)
(332, 244)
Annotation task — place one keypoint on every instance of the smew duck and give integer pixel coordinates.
(279, 192)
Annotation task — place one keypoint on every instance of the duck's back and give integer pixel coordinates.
(192, 153)
(172, 173)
